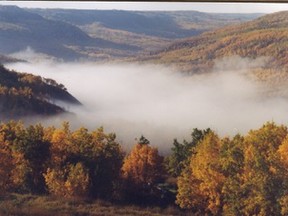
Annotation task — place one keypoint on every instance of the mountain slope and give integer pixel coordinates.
(160, 24)
(148, 30)
(263, 37)
(20, 29)
(23, 94)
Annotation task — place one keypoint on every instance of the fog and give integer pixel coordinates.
(133, 100)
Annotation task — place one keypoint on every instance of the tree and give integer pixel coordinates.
(105, 164)
(55, 181)
(6, 166)
(70, 182)
(181, 153)
(35, 150)
(203, 179)
(143, 165)
(232, 164)
(77, 182)
(97, 151)
(60, 145)
(143, 141)
(283, 152)
(263, 174)
(142, 170)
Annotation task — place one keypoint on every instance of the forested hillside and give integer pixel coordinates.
(23, 94)
(263, 37)
(72, 35)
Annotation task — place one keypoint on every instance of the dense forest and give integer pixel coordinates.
(206, 175)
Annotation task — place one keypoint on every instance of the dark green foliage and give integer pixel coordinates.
(182, 152)
(143, 141)
(30, 142)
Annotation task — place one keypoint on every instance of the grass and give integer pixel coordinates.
(32, 205)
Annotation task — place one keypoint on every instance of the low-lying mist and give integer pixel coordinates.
(161, 104)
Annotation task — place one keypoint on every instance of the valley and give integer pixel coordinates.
(139, 112)
(71, 35)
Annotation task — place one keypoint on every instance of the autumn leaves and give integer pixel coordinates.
(76, 163)
(242, 175)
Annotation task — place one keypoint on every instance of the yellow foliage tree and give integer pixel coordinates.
(77, 183)
(60, 144)
(55, 181)
(143, 165)
(263, 174)
(200, 187)
(70, 182)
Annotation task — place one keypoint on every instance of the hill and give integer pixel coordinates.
(145, 29)
(20, 29)
(23, 94)
(161, 24)
(96, 35)
(264, 37)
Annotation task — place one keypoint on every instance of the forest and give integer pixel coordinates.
(205, 175)
(23, 94)
(157, 73)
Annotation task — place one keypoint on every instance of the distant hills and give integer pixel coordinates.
(263, 37)
(23, 94)
(20, 29)
(96, 35)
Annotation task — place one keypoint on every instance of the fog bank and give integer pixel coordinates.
(132, 99)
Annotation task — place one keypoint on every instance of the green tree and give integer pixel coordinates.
(35, 150)
(181, 153)
(105, 166)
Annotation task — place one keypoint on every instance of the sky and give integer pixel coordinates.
(156, 6)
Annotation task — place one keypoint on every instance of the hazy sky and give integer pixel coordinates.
(152, 6)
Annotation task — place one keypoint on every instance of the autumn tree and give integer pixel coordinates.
(200, 185)
(142, 169)
(98, 153)
(71, 182)
(283, 157)
(6, 166)
(60, 145)
(263, 174)
(232, 164)
(143, 165)
(10, 133)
